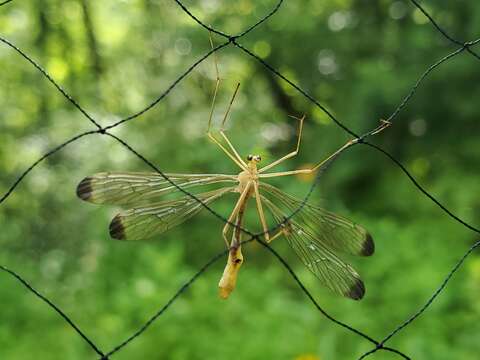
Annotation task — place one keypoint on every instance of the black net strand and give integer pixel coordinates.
(165, 307)
(422, 189)
(43, 157)
(54, 307)
(295, 86)
(427, 304)
(51, 80)
(169, 89)
(262, 20)
(465, 45)
(5, 2)
(319, 308)
(414, 89)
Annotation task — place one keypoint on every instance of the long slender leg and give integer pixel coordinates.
(291, 154)
(235, 157)
(212, 108)
(284, 227)
(217, 84)
(309, 171)
(241, 165)
(222, 129)
(238, 205)
(383, 125)
(261, 213)
(279, 233)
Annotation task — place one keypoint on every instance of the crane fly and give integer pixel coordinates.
(316, 235)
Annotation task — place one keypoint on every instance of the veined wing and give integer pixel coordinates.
(339, 277)
(328, 229)
(122, 188)
(146, 221)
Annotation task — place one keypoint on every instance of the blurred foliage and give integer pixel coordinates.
(357, 58)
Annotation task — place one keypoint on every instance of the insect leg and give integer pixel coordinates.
(279, 233)
(261, 213)
(222, 129)
(217, 84)
(235, 157)
(313, 169)
(291, 154)
(238, 205)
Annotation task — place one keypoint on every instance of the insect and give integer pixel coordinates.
(316, 235)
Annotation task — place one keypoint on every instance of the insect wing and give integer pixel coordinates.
(339, 277)
(123, 188)
(330, 230)
(146, 221)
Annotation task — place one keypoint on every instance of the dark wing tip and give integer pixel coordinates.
(368, 246)
(84, 189)
(357, 290)
(117, 230)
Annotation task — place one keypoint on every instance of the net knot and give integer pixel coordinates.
(232, 38)
(102, 131)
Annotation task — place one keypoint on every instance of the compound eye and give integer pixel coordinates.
(259, 158)
(250, 157)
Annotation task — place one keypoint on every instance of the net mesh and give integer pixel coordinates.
(230, 40)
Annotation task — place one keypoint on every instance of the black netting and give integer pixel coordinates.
(356, 139)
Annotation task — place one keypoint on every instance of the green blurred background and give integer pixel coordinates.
(358, 58)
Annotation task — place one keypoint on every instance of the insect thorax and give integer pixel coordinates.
(244, 178)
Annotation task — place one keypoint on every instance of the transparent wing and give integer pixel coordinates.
(339, 277)
(330, 230)
(146, 221)
(136, 187)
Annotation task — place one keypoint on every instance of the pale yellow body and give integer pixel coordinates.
(248, 176)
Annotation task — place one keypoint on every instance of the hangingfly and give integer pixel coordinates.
(314, 234)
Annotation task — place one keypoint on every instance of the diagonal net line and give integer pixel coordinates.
(50, 79)
(53, 306)
(170, 302)
(427, 72)
(37, 162)
(467, 45)
(232, 39)
(320, 309)
(427, 304)
(5, 2)
(169, 89)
